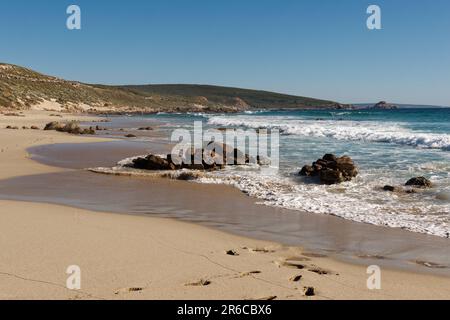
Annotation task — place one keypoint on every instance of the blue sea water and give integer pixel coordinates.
(389, 147)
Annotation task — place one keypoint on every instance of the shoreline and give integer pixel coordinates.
(274, 279)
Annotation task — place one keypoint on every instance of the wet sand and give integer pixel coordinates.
(216, 206)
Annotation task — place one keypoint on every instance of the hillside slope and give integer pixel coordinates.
(21, 88)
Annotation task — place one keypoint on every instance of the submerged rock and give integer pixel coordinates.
(419, 182)
(331, 169)
(390, 188)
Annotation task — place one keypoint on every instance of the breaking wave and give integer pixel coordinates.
(395, 133)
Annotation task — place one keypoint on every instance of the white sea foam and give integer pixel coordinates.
(359, 201)
(382, 132)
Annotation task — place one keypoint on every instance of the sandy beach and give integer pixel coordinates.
(139, 257)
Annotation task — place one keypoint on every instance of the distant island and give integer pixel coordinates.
(385, 106)
(23, 89)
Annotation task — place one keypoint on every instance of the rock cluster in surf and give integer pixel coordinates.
(213, 156)
(331, 169)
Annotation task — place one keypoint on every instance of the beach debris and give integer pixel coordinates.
(419, 182)
(146, 129)
(331, 169)
(231, 253)
(296, 278)
(12, 127)
(34, 128)
(71, 127)
(200, 283)
(309, 291)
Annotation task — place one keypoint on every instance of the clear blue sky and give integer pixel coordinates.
(318, 48)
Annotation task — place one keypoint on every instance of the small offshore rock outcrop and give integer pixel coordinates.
(331, 169)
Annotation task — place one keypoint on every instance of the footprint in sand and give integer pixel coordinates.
(296, 278)
(309, 291)
(259, 250)
(129, 290)
(319, 270)
(200, 283)
(431, 265)
(370, 256)
(295, 262)
(314, 255)
(269, 298)
(231, 253)
(246, 274)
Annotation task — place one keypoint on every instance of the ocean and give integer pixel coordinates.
(388, 146)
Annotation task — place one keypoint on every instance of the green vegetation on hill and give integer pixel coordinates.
(21, 88)
(216, 95)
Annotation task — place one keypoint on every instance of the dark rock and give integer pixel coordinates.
(231, 253)
(146, 129)
(309, 291)
(329, 157)
(54, 125)
(296, 278)
(346, 165)
(331, 169)
(307, 171)
(130, 136)
(419, 182)
(213, 156)
(152, 162)
(390, 188)
(70, 127)
(330, 176)
(34, 128)
(90, 130)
